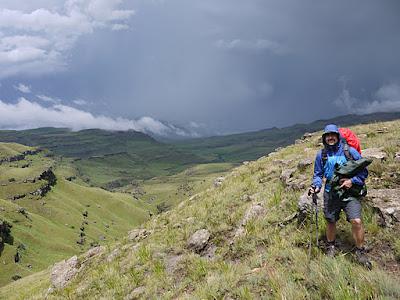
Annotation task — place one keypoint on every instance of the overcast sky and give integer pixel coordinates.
(215, 66)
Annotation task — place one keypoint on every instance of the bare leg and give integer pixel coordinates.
(331, 232)
(358, 232)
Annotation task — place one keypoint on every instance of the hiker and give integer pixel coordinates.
(336, 152)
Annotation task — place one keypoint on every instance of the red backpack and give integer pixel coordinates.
(351, 139)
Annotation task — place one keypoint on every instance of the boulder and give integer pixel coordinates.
(386, 202)
(218, 181)
(397, 156)
(307, 135)
(113, 255)
(253, 212)
(376, 153)
(137, 235)
(304, 163)
(62, 272)
(198, 241)
(94, 251)
(305, 204)
(286, 175)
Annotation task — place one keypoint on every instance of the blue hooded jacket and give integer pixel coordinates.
(335, 155)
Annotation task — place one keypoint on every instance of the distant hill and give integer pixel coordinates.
(108, 158)
(112, 159)
(236, 148)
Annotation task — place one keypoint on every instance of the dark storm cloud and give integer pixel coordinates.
(238, 65)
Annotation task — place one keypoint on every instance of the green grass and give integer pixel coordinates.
(267, 261)
(52, 226)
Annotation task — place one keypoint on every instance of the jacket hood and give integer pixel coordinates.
(331, 128)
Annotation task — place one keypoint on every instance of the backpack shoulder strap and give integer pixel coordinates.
(324, 156)
(346, 150)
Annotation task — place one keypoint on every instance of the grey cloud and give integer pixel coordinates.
(233, 65)
(385, 99)
(44, 35)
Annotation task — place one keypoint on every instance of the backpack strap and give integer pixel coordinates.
(346, 150)
(324, 157)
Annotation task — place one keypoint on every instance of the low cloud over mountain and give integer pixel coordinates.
(26, 114)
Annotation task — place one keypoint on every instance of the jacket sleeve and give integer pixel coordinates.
(318, 171)
(359, 179)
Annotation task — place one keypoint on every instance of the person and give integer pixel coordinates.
(336, 153)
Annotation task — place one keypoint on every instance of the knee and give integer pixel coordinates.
(356, 222)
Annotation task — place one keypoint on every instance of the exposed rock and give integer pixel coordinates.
(397, 156)
(137, 235)
(246, 163)
(16, 277)
(305, 204)
(382, 130)
(304, 163)
(171, 263)
(62, 272)
(194, 197)
(386, 202)
(137, 293)
(18, 196)
(245, 198)
(307, 135)
(299, 141)
(286, 175)
(113, 255)
(94, 251)
(198, 241)
(253, 212)
(284, 162)
(297, 184)
(376, 153)
(218, 181)
(209, 251)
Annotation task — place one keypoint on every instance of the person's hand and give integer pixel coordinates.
(346, 183)
(313, 190)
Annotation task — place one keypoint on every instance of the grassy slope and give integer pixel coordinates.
(52, 228)
(269, 261)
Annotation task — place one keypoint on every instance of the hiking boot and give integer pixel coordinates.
(331, 250)
(362, 258)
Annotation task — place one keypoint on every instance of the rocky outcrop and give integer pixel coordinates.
(305, 204)
(374, 153)
(137, 235)
(397, 156)
(63, 271)
(291, 182)
(386, 203)
(50, 178)
(304, 163)
(253, 212)
(21, 156)
(218, 181)
(199, 240)
(5, 233)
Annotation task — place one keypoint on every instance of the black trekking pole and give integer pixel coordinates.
(315, 204)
